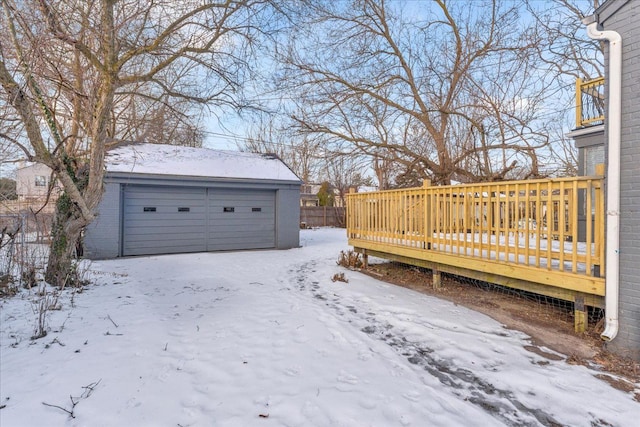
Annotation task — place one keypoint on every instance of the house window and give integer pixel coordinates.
(41, 181)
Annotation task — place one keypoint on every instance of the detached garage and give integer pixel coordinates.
(162, 199)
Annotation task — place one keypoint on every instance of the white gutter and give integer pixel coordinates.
(614, 114)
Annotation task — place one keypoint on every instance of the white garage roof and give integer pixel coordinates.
(160, 159)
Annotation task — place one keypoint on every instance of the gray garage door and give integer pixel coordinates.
(241, 219)
(162, 220)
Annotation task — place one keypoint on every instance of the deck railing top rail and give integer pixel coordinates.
(461, 188)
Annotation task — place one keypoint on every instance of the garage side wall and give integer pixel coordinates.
(288, 217)
(102, 236)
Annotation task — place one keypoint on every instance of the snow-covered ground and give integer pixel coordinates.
(265, 338)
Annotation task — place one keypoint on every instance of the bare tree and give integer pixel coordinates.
(569, 55)
(161, 121)
(445, 89)
(75, 76)
(301, 152)
(563, 45)
(345, 172)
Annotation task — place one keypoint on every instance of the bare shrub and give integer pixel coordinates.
(350, 259)
(339, 277)
(8, 234)
(30, 259)
(28, 277)
(44, 303)
(88, 389)
(77, 277)
(7, 287)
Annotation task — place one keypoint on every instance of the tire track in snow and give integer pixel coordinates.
(499, 403)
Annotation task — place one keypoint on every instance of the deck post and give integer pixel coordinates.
(580, 314)
(365, 259)
(437, 279)
(427, 233)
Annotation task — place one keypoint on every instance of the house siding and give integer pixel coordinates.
(26, 187)
(624, 18)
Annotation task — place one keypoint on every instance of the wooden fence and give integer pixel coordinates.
(519, 233)
(29, 205)
(322, 216)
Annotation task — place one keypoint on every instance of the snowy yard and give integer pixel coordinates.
(265, 338)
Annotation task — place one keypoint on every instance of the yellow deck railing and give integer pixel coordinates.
(589, 102)
(526, 230)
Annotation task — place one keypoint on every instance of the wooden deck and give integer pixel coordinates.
(522, 234)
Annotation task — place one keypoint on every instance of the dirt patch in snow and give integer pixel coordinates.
(550, 327)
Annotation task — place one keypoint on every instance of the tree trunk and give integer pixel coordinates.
(65, 238)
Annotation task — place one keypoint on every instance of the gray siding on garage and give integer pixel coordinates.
(288, 217)
(102, 236)
(163, 220)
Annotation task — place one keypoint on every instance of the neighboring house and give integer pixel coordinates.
(162, 199)
(32, 182)
(620, 18)
(309, 195)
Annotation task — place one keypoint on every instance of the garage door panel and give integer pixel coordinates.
(241, 216)
(160, 202)
(223, 245)
(156, 250)
(169, 244)
(141, 221)
(169, 231)
(153, 231)
(165, 220)
(248, 238)
(222, 194)
(256, 229)
(193, 202)
(166, 207)
(153, 248)
(224, 242)
(171, 237)
(220, 207)
(152, 211)
(146, 198)
(242, 220)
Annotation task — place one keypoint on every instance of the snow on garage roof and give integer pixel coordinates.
(202, 162)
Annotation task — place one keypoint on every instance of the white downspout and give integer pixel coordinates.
(614, 114)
